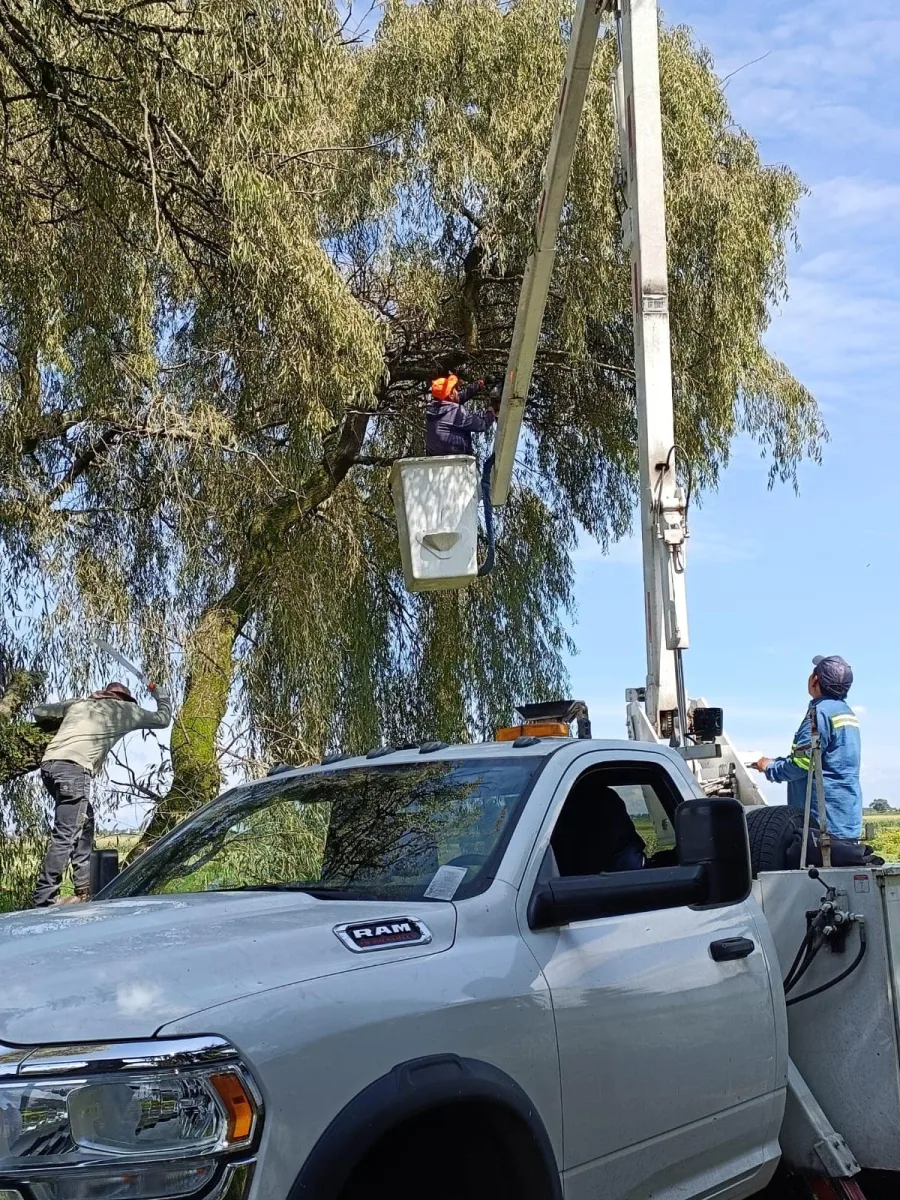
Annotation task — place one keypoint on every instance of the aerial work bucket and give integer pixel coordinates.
(436, 502)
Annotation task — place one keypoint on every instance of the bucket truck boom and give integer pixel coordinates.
(640, 179)
(660, 709)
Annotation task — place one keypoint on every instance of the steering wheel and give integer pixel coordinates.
(468, 860)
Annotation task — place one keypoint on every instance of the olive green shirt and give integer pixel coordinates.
(90, 728)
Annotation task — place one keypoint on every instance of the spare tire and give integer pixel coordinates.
(775, 836)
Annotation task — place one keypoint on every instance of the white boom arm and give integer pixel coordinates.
(662, 503)
(663, 529)
(640, 181)
(536, 283)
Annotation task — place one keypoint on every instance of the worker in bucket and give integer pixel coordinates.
(86, 731)
(838, 727)
(449, 424)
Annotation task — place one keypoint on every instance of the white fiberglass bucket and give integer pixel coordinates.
(436, 503)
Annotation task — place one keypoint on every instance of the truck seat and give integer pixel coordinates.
(594, 832)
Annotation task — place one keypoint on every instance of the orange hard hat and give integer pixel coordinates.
(443, 388)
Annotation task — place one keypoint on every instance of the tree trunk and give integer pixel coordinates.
(209, 660)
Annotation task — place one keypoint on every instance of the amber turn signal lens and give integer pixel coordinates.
(533, 729)
(238, 1106)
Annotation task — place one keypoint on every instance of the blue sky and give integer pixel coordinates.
(775, 578)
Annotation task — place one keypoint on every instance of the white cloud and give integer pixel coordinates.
(838, 325)
(807, 69)
(855, 198)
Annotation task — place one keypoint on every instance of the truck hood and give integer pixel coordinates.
(119, 969)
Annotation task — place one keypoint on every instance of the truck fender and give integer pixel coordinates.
(408, 1090)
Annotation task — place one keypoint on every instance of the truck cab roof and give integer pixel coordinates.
(544, 747)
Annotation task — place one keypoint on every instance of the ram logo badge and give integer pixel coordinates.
(383, 933)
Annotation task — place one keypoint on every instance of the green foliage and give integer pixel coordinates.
(234, 248)
(886, 841)
(23, 825)
(22, 746)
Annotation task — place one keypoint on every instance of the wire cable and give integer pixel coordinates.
(861, 953)
(488, 565)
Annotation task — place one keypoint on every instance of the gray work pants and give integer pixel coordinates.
(72, 839)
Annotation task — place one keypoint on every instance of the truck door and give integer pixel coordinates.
(672, 1063)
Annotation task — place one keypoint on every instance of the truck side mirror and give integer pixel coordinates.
(713, 834)
(587, 897)
(104, 869)
(713, 868)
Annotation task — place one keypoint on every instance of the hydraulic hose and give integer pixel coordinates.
(488, 565)
(796, 963)
(861, 953)
(804, 967)
(812, 943)
(803, 956)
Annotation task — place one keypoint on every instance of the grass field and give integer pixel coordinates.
(19, 866)
(886, 839)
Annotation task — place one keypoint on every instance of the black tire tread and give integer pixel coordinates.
(771, 830)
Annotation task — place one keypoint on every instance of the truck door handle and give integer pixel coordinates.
(729, 948)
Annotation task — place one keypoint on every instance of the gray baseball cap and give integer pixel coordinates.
(835, 675)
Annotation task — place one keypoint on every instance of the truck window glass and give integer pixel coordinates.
(378, 832)
(613, 822)
(649, 814)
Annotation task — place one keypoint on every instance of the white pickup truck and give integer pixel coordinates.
(425, 972)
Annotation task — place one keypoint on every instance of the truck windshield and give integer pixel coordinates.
(417, 831)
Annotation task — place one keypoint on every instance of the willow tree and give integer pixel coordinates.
(178, 354)
(235, 246)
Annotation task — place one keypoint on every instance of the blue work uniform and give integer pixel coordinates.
(840, 742)
(449, 426)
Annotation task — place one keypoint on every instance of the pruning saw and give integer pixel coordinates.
(123, 662)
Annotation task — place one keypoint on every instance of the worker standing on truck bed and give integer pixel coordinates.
(449, 424)
(88, 730)
(838, 726)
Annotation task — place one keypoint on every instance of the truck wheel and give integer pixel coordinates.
(450, 1156)
(775, 836)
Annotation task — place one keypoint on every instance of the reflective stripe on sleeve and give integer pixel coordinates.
(843, 719)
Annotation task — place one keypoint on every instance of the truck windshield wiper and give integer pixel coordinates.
(311, 889)
(269, 887)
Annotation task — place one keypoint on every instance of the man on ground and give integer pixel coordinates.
(88, 730)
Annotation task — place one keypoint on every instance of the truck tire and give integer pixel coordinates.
(450, 1156)
(443, 1126)
(775, 836)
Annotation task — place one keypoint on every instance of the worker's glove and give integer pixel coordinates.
(151, 686)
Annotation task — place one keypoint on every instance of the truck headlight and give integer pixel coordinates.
(138, 1121)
